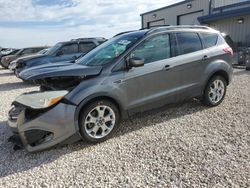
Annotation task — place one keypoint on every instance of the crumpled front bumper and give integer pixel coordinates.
(38, 130)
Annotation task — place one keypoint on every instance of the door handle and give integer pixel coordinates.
(205, 57)
(118, 81)
(167, 67)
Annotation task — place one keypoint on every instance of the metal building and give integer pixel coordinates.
(229, 16)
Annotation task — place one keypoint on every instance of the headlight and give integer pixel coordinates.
(40, 100)
(52, 101)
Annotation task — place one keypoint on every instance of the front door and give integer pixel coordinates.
(156, 83)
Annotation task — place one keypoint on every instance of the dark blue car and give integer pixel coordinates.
(61, 52)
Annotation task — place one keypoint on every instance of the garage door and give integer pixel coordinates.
(156, 23)
(189, 19)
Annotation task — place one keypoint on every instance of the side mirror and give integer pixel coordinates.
(59, 53)
(136, 62)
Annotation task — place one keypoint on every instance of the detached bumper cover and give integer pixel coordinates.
(42, 129)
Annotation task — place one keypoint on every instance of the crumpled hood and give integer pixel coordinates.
(30, 57)
(59, 70)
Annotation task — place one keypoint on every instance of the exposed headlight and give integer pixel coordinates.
(52, 101)
(40, 100)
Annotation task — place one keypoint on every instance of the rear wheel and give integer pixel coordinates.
(215, 91)
(99, 120)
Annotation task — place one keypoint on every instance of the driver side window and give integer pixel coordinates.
(153, 49)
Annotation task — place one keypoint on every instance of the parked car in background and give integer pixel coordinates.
(61, 52)
(132, 72)
(23, 52)
(7, 52)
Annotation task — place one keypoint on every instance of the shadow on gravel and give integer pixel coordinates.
(15, 85)
(12, 162)
(241, 72)
(7, 74)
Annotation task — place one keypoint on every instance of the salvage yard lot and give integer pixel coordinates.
(181, 145)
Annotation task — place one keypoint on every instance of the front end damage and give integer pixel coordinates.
(59, 83)
(41, 120)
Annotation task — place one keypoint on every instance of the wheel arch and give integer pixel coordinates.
(91, 99)
(222, 73)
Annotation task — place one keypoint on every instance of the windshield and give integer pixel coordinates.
(53, 49)
(110, 50)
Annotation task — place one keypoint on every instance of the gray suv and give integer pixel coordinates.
(132, 72)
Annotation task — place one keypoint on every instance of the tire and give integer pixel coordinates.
(92, 123)
(214, 95)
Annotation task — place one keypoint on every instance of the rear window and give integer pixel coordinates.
(69, 49)
(210, 39)
(85, 47)
(35, 50)
(27, 51)
(188, 43)
(230, 42)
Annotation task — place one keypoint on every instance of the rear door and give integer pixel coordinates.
(191, 62)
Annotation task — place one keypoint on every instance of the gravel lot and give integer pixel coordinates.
(186, 145)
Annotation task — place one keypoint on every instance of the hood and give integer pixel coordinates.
(30, 57)
(53, 70)
(9, 57)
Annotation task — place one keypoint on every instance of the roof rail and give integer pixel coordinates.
(97, 38)
(123, 33)
(163, 28)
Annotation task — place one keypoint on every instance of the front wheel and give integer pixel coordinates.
(99, 120)
(215, 91)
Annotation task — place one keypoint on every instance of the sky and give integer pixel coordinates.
(25, 23)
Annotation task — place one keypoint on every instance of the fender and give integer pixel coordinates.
(217, 66)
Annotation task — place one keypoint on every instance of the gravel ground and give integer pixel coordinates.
(186, 145)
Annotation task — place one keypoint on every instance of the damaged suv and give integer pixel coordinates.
(132, 72)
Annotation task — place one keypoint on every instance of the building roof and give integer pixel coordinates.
(227, 13)
(166, 7)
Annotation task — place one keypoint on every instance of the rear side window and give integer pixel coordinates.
(210, 39)
(70, 49)
(85, 47)
(188, 43)
(35, 50)
(153, 49)
(27, 51)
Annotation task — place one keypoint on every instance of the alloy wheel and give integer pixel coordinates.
(216, 91)
(99, 122)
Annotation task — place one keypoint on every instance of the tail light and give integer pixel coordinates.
(228, 50)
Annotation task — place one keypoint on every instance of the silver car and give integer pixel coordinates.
(132, 72)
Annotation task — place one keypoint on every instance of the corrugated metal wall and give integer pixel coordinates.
(171, 14)
(220, 3)
(238, 32)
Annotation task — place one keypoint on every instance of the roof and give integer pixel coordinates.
(166, 7)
